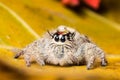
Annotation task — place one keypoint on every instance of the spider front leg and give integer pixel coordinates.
(39, 59)
(22, 52)
(27, 58)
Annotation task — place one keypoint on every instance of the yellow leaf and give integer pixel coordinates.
(23, 21)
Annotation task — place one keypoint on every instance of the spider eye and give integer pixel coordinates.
(68, 37)
(63, 38)
(56, 38)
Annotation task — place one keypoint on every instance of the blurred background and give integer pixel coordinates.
(23, 21)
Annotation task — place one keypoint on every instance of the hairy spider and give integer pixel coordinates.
(63, 46)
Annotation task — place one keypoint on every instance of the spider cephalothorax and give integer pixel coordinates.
(63, 46)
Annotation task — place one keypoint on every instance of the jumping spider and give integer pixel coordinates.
(63, 46)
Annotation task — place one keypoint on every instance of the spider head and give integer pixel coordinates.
(62, 35)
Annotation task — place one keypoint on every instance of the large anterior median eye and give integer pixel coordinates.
(63, 38)
(56, 38)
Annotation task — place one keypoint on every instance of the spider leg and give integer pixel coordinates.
(90, 62)
(100, 53)
(103, 59)
(27, 58)
(39, 59)
(92, 52)
(18, 54)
